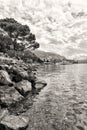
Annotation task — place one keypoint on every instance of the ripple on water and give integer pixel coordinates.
(62, 105)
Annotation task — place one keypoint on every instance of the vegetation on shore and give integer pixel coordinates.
(17, 40)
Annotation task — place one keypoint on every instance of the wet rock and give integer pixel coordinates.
(5, 78)
(39, 84)
(9, 96)
(11, 122)
(80, 128)
(23, 87)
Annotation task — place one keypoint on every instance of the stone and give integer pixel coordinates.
(3, 113)
(12, 122)
(5, 78)
(23, 87)
(7, 60)
(40, 84)
(3, 66)
(9, 96)
(18, 74)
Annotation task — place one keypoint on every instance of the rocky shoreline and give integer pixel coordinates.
(19, 83)
(16, 92)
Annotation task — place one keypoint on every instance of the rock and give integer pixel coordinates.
(9, 96)
(3, 113)
(32, 76)
(40, 84)
(23, 87)
(3, 66)
(5, 78)
(7, 60)
(11, 122)
(18, 74)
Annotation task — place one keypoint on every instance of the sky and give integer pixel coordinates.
(60, 26)
(79, 2)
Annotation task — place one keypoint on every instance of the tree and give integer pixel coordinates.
(15, 31)
(23, 30)
(31, 37)
(5, 43)
(10, 28)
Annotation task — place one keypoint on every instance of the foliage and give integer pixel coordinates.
(11, 26)
(5, 43)
(17, 31)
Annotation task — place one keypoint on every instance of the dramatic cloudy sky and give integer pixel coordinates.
(60, 25)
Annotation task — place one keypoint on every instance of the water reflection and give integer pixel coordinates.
(46, 70)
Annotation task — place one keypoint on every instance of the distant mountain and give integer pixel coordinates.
(82, 61)
(48, 56)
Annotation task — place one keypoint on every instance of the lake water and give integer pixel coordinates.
(62, 104)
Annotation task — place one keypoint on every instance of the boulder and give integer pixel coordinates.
(3, 66)
(39, 84)
(23, 87)
(18, 74)
(5, 78)
(11, 122)
(9, 96)
(7, 60)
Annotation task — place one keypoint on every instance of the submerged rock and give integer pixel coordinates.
(5, 78)
(9, 96)
(39, 84)
(11, 122)
(23, 87)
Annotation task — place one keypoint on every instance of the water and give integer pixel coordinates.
(62, 104)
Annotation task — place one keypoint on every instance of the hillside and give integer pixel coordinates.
(82, 59)
(48, 56)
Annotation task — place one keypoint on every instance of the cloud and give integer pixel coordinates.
(60, 26)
